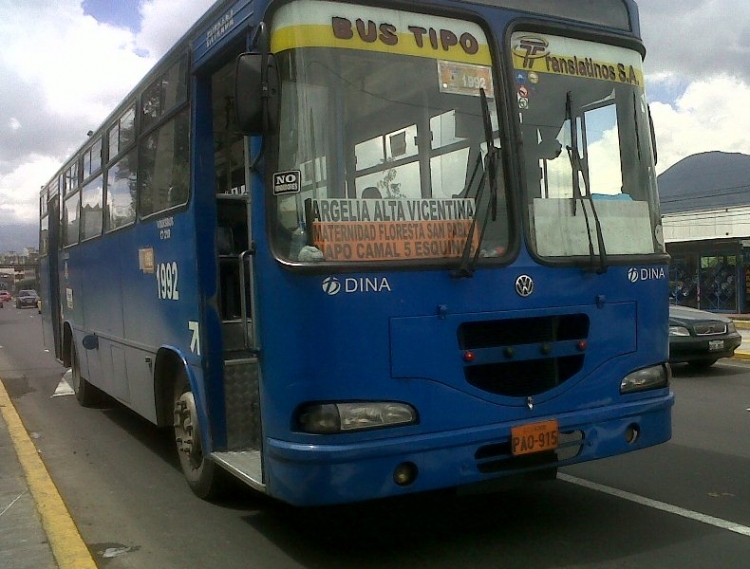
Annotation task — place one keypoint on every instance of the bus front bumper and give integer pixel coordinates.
(330, 473)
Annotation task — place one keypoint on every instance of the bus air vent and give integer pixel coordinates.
(524, 356)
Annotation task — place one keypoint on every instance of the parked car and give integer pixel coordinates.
(4, 297)
(700, 338)
(26, 298)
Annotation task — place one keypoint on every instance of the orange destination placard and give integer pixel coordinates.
(391, 229)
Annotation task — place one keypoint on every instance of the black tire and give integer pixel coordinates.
(87, 394)
(703, 364)
(205, 478)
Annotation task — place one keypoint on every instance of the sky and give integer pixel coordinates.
(65, 65)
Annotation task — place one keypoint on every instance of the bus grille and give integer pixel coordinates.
(525, 356)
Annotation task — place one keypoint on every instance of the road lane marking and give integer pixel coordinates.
(664, 507)
(9, 506)
(65, 540)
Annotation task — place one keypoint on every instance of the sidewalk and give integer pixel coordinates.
(36, 530)
(23, 542)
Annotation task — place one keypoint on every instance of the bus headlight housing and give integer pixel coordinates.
(327, 418)
(647, 378)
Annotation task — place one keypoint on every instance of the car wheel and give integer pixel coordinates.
(703, 364)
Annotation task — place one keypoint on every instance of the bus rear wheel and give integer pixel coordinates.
(203, 476)
(87, 394)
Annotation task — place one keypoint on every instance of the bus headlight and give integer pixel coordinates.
(326, 418)
(647, 378)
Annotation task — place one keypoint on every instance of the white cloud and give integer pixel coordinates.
(62, 73)
(82, 67)
(697, 38)
(19, 196)
(710, 115)
(165, 21)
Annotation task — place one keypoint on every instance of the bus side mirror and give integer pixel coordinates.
(256, 93)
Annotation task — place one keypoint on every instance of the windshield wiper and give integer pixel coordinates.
(489, 178)
(576, 163)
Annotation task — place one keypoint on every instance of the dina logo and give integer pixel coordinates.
(331, 286)
(646, 274)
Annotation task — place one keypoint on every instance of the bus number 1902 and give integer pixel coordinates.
(166, 280)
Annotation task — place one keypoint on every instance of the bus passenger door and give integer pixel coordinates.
(51, 289)
(235, 298)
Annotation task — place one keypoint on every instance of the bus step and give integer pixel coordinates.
(242, 404)
(244, 464)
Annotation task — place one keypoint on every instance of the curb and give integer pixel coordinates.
(742, 324)
(67, 545)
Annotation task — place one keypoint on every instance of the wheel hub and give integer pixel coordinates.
(186, 436)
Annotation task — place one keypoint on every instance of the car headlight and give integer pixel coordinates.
(678, 331)
(326, 418)
(647, 378)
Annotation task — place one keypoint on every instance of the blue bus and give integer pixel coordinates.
(353, 250)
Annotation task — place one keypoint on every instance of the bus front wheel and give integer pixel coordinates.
(203, 476)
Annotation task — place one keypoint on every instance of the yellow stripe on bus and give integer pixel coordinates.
(301, 36)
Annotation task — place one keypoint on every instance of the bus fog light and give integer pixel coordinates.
(632, 433)
(323, 418)
(644, 379)
(405, 473)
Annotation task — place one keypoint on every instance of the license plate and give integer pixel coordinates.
(534, 437)
(715, 345)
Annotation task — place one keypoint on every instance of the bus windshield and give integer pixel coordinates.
(590, 179)
(381, 123)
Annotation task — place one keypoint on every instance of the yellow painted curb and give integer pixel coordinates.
(64, 538)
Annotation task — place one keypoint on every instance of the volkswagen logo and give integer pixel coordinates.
(524, 285)
(331, 286)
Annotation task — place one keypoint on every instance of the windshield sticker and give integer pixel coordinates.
(465, 78)
(287, 182)
(391, 229)
(576, 58)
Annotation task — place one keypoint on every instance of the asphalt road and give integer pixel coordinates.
(684, 504)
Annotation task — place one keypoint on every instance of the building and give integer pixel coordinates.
(705, 202)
